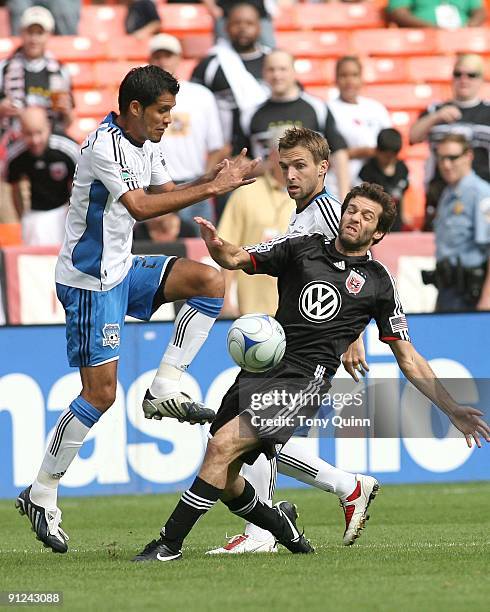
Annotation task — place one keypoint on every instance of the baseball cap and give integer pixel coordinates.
(165, 42)
(37, 15)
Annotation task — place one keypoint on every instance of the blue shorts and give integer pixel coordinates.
(95, 319)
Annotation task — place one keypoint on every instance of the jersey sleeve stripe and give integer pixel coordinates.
(398, 311)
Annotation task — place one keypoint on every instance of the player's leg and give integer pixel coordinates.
(203, 288)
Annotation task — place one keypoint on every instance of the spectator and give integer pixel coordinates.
(66, 14)
(466, 114)
(142, 19)
(359, 119)
(220, 9)
(436, 13)
(255, 213)
(233, 72)
(47, 161)
(193, 143)
(33, 77)
(462, 231)
(385, 169)
(289, 106)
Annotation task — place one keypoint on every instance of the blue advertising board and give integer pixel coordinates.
(126, 453)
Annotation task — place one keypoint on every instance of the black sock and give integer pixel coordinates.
(195, 502)
(250, 507)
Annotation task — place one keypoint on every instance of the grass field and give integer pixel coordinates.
(426, 547)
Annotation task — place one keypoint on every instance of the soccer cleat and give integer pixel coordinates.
(157, 550)
(176, 406)
(244, 543)
(45, 522)
(355, 507)
(293, 540)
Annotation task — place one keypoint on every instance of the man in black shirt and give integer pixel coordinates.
(328, 292)
(47, 161)
(465, 114)
(289, 106)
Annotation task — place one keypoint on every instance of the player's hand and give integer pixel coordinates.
(467, 420)
(354, 359)
(449, 114)
(235, 173)
(208, 232)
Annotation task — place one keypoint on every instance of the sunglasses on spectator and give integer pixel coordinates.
(450, 158)
(457, 74)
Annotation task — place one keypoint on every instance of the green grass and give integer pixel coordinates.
(426, 547)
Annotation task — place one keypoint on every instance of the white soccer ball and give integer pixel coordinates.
(256, 342)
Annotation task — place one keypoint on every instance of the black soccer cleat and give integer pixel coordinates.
(45, 522)
(177, 406)
(293, 540)
(157, 550)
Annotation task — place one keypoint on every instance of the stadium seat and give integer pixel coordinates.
(102, 22)
(414, 198)
(184, 71)
(82, 126)
(110, 74)
(466, 40)
(384, 70)
(82, 74)
(4, 22)
(127, 48)
(394, 41)
(196, 45)
(406, 96)
(10, 234)
(76, 48)
(7, 46)
(314, 44)
(285, 18)
(338, 15)
(188, 18)
(402, 121)
(436, 68)
(95, 102)
(314, 71)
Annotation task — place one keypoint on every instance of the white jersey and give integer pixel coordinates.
(321, 216)
(96, 252)
(194, 132)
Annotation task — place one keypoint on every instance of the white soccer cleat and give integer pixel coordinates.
(355, 507)
(243, 543)
(176, 406)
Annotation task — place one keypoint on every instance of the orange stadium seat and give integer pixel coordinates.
(8, 46)
(394, 41)
(314, 71)
(384, 69)
(110, 74)
(102, 22)
(402, 121)
(10, 234)
(4, 22)
(436, 68)
(406, 96)
(127, 48)
(338, 15)
(314, 44)
(466, 40)
(285, 18)
(320, 91)
(95, 102)
(76, 48)
(82, 126)
(82, 74)
(414, 198)
(189, 18)
(186, 66)
(196, 45)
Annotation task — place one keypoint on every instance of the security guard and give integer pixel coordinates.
(462, 231)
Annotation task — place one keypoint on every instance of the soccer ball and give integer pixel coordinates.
(256, 342)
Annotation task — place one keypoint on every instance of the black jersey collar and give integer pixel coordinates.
(337, 258)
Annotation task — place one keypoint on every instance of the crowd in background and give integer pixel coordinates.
(245, 92)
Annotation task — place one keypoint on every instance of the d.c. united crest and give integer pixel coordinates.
(354, 282)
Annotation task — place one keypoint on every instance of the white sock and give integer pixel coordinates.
(297, 461)
(63, 447)
(262, 476)
(191, 328)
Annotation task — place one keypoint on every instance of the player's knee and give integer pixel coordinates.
(211, 283)
(102, 396)
(221, 449)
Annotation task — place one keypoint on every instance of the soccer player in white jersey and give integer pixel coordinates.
(121, 178)
(304, 160)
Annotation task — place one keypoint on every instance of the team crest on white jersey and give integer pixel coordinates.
(354, 282)
(319, 301)
(127, 175)
(111, 335)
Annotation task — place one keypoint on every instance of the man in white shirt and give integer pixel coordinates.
(121, 178)
(194, 142)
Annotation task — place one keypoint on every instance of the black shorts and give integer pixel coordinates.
(271, 405)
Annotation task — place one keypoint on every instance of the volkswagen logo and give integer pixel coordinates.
(319, 301)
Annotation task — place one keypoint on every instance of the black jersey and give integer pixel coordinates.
(326, 299)
(269, 122)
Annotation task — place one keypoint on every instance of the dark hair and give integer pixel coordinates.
(241, 4)
(314, 142)
(375, 193)
(389, 139)
(345, 60)
(145, 84)
(458, 139)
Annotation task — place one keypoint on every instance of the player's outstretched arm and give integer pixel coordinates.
(224, 253)
(420, 374)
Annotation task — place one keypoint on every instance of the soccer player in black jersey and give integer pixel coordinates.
(328, 292)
